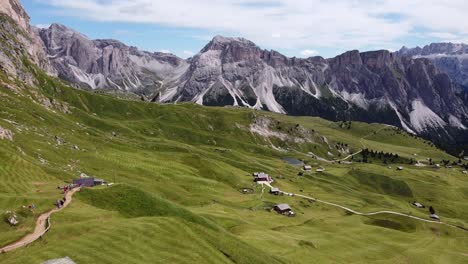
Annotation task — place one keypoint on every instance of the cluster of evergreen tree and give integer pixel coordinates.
(445, 162)
(368, 154)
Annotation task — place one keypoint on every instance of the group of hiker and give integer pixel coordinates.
(66, 188)
(60, 203)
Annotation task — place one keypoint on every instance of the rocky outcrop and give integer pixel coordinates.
(6, 134)
(17, 39)
(14, 10)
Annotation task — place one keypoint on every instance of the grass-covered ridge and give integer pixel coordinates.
(132, 202)
(179, 170)
(382, 184)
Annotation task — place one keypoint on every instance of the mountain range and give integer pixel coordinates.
(420, 90)
(448, 57)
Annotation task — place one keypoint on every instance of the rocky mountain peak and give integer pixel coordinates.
(228, 40)
(62, 30)
(352, 57)
(221, 43)
(377, 59)
(102, 43)
(444, 48)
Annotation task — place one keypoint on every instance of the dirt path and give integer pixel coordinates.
(362, 143)
(369, 214)
(40, 228)
(355, 153)
(371, 134)
(349, 156)
(364, 214)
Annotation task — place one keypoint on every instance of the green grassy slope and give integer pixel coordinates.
(179, 169)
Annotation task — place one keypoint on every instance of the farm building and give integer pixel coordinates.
(307, 167)
(465, 172)
(275, 191)
(262, 177)
(435, 217)
(88, 182)
(400, 168)
(320, 170)
(99, 181)
(283, 209)
(418, 205)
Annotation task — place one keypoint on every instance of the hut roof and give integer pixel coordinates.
(283, 207)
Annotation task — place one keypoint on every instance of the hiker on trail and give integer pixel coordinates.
(61, 203)
(431, 210)
(57, 203)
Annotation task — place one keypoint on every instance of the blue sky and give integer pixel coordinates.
(299, 28)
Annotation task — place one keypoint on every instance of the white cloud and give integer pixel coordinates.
(276, 35)
(303, 23)
(442, 35)
(43, 25)
(308, 53)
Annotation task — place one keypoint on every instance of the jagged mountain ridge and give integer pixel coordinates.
(376, 86)
(108, 64)
(237, 72)
(451, 58)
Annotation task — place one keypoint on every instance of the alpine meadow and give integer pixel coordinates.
(111, 154)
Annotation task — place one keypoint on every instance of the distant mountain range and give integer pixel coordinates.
(448, 57)
(420, 90)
